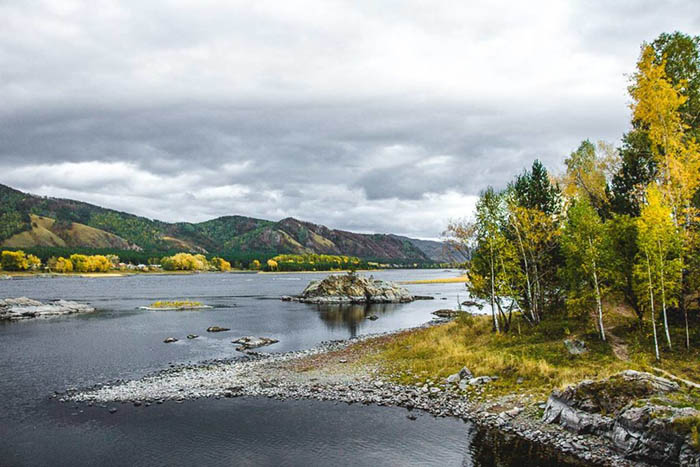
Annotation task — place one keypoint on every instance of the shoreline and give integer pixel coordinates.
(335, 371)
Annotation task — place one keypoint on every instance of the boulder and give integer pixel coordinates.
(192, 336)
(620, 408)
(453, 379)
(169, 340)
(464, 373)
(473, 303)
(217, 329)
(252, 342)
(26, 308)
(445, 313)
(353, 288)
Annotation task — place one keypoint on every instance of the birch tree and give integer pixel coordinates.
(582, 242)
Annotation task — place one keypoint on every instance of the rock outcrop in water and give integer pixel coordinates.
(252, 342)
(353, 288)
(25, 308)
(628, 408)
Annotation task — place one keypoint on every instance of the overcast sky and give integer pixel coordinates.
(372, 116)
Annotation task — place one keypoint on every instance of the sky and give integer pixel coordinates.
(364, 115)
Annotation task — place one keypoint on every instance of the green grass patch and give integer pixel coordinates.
(181, 304)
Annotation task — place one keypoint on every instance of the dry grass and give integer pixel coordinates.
(537, 355)
(444, 280)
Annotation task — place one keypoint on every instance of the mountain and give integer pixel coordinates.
(437, 251)
(28, 220)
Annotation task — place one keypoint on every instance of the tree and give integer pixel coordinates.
(678, 56)
(255, 264)
(621, 252)
(220, 264)
(657, 103)
(588, 171)
(660, 246)
(535, 190)
(14, 261)
(583, 243)
(272, 264)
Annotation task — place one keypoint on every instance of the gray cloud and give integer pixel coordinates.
(357, 115)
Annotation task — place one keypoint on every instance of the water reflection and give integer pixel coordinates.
(349, 316)
(492, 448)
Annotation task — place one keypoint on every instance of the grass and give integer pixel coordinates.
(443, 280)
(176, 304)
(535, 354)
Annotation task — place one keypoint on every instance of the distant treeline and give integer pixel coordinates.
(239, 259)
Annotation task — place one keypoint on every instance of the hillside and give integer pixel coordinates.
(27, 220)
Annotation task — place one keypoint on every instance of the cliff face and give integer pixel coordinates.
(77, 224)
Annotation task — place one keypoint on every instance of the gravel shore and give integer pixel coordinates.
(334, 371)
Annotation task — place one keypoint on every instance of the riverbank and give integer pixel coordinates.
(358, 371)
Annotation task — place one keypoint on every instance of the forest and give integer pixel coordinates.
(620, 228)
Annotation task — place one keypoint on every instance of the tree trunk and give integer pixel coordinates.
(663, 300)
(493, 293)
(597, 297)
(653, 318)
(527, 275)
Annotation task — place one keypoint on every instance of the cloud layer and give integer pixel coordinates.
(369, 116)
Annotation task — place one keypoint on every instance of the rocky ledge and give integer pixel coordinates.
(638, 412)
(25, 308)
(353, 288)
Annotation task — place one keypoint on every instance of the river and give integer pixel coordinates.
(120, 341)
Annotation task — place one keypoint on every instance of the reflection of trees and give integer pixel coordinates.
(351, 315)
(489, 447)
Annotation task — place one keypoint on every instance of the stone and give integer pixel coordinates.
(480, 380)
(13, 309)
(446, 313)
(465, 373)
(192, 336)
(353, 288)
(619, 408)
(373, 317)
(169, 340)
(252, 342)
(217, 329)
(453, 379)
(575, 346)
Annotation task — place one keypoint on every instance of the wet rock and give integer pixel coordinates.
(252, 342)
(169, 340)
(217, 329)
(353, 288)
(473, 303)
(192, 336)
(373, 317)
(112, 410)
(13, 309)
(575, 346)
(446, 313)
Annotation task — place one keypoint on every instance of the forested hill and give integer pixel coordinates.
(33, 221)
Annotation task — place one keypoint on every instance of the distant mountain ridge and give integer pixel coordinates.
(28, 220)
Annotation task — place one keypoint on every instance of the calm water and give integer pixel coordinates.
(119, 341)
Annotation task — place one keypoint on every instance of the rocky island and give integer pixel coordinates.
(353, 288)
(13, 309)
